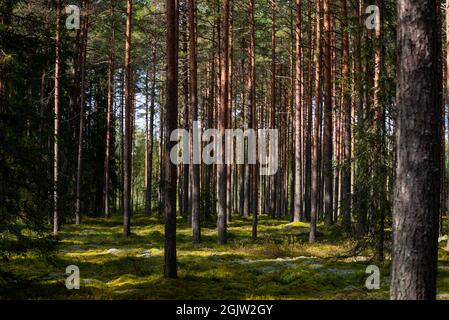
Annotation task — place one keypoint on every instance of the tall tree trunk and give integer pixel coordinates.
(79, 168)
(209, 168)
(379, 129)
(418, 140)
(244, 169)
(297, 119)
(127, 165)
(107, 159)
(316, 168)
(447, 73)
(309, 125)
(327, 130)
(186, 186)
(196, 230)
(150, 130)
(360, 200)
(122, 139)
(75, 89)
(253, 176)
(345, 206)
(246, 174)
(443, 113)
(222, 125)
(56, 118)
(147, 144)
(161, 162)
(273, 111)
(230, 108)
(171, 115)
(290, 115)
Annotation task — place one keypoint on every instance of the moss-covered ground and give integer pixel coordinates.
(279, 265)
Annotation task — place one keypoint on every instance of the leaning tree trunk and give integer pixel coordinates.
(417, 187)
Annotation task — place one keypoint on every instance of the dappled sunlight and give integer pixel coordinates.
(280, 264)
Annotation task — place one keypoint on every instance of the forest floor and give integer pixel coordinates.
(279, 265)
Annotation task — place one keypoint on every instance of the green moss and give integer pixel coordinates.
(280, 264)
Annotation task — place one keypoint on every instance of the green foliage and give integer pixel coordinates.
(25, 185)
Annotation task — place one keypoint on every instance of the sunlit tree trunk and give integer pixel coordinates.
(309, 126)
(222, 125)
(127, 160)
(109, 114)
(316, 167)
(297, 119)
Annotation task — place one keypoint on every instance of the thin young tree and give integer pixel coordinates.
(417, 187)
